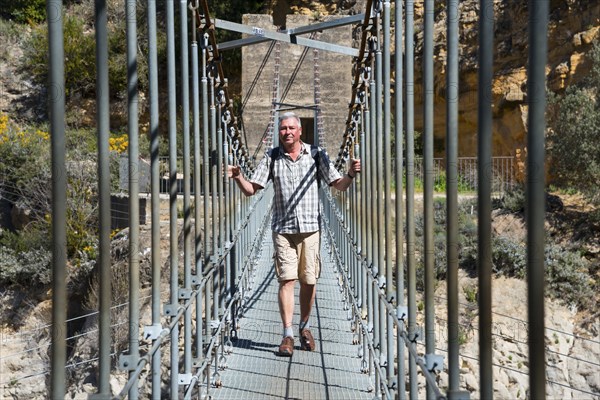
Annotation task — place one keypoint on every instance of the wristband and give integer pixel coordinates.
(350, 176)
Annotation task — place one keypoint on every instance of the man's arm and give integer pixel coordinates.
(248, 188)
(345, 181)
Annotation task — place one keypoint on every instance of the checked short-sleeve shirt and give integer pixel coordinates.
(296, 192)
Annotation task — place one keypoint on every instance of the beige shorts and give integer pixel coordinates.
(297, 256)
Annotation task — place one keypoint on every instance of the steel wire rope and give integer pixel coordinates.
(525, 323)
(257, 77)
(31, 349)
(511, 340)
(474, 358)
(78, 317)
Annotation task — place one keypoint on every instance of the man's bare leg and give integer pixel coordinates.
(307, 299)
(286, 302)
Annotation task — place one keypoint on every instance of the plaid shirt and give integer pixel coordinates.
(296, 198)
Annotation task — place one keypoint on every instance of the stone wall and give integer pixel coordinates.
(296, 80)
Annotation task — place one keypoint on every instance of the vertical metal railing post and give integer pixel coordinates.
(187, 223)
(535, 195)
(368, 201)
(484, 193)
(229, 285)
(196, 121)
(232, 219)
(410, 195)
(213, 187)
(56, 90)
(358, 212)
(172, 307)
(206, 173)
(452, 195)
(219, 175)
(104, 269)
(381, 239)
(134, 189)
(363, 218)
(155, 193)
(387, 190)
(428, 168)
(374, 311)
(399, 176)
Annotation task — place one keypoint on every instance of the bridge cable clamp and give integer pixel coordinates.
(128, 362)
(152, 332)
(196, 280)
(402, 313)
(184, 379)
(434, 362)
(170, 310)
(184, 294)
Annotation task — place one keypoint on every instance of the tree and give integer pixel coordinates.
(574, 128)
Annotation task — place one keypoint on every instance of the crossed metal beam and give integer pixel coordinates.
(260, 35)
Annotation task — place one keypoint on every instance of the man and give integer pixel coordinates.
(293, 167)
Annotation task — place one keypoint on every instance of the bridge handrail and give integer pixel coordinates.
(207, 275)
(390, 308)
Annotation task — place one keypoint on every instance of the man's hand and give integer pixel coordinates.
(354, 167)
(233, 171)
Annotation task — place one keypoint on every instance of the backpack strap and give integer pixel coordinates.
(274, 156)
(315, 151)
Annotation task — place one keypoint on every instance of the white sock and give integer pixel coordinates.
(304, 325)
(287, 331)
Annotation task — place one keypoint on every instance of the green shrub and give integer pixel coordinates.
(574, 123)
(509, 257)
(467, 236)
(512, 201)
(79, 49)
(568, 276)
(24, 11)
(31, 267)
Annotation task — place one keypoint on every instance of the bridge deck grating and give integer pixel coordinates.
(255, 371)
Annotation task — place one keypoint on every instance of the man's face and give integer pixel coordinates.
(289, 131)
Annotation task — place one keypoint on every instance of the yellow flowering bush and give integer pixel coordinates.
(3, 124)
(17, 138)
(118, 143)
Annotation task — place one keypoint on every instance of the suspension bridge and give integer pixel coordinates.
(214, 329)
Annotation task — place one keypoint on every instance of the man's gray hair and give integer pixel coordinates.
(288, 115)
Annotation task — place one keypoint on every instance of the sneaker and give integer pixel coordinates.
(307, 342)
(286, 348)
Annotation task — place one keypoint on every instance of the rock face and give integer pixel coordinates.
(573, 27)
(571, 356)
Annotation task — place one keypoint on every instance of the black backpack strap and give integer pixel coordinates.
(316, 155)
(274, 156)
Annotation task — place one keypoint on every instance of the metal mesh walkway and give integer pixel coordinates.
(254, 371)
